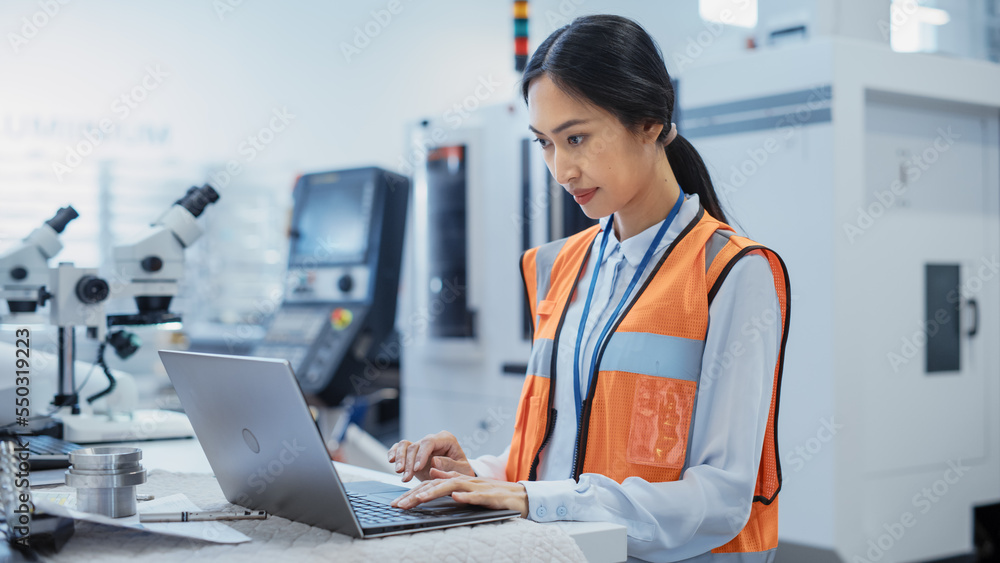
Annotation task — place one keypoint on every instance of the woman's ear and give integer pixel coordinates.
(650, 131)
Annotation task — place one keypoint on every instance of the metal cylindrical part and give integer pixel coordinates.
(115, 503)
(105, 479)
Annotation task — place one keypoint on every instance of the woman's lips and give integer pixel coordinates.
(583, 197)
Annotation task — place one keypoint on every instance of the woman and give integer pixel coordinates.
(652, 388)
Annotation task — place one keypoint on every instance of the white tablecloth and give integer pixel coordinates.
(278, 539)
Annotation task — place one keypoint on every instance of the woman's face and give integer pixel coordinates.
(589, 152)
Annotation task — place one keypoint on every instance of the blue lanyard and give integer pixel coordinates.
(578, 393)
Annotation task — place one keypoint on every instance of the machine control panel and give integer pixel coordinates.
(313, 339)
(333, 283)
(346, 242)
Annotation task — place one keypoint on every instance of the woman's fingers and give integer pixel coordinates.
(471, 490)
(428, 491)
(409, 460)
(440, 451)
(447, 464)
(396, 451)
(503, 495)
(436, 473)
(415, 496)
(425, 448)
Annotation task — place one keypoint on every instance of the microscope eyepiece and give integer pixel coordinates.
(61, 218)
(196, 199)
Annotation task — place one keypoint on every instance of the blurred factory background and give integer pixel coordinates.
(858, 138)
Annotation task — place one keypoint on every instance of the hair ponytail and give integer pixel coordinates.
(612, 62)
(692, 175)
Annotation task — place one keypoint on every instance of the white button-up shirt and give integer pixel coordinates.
(710, 504)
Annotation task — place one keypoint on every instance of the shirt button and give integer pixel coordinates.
(562, 512)
(540, 512)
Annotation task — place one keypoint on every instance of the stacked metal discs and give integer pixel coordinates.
(105, 479)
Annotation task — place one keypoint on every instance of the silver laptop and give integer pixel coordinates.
(267, 453)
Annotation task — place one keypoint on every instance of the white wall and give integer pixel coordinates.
(226, 71)
(210, 75)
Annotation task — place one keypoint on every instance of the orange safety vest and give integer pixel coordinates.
(638, 415)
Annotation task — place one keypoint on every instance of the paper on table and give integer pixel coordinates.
(57, 503)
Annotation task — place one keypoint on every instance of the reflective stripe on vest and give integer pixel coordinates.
(641, 406)
(747, 557)
(540, 361)
(626, 352)
(718, 240)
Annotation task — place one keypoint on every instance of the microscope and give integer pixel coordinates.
(24, 270)
(149, 270)
(153, 266)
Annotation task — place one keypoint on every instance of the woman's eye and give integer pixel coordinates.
(542, 142)
(575, 139)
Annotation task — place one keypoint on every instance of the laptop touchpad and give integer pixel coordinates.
(386, 498)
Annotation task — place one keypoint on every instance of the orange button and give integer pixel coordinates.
(341, 318)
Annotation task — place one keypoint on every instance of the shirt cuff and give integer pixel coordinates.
(550, 501)
(481, 469)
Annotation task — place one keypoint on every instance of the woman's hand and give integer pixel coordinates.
(434, 451)
(471, 490)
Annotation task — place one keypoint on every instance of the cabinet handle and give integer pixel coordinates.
(975, 319)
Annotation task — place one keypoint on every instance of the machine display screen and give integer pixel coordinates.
(332, 220)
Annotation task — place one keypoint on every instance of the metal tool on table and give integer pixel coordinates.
(105, 478)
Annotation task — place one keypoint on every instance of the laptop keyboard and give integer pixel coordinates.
(47, 445)
(373, 512)
(47, 452)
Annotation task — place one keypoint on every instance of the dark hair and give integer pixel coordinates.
(613, 63)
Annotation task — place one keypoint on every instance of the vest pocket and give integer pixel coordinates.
(536, 414)
(545, 307)
(661, 418)
(544, 310)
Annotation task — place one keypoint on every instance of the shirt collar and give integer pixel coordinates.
(634, 248)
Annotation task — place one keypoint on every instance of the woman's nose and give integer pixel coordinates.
(565, 169)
